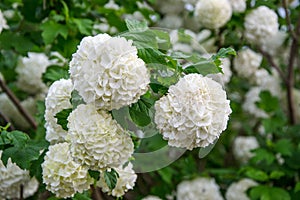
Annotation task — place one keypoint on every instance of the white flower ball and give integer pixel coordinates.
(62, 175)
(106, 71)
(238, 6)
(249, 105)
(200, 189)
(3, 23)
(30, 70)
(171, 21)
(151, 197)
(242, 146)
(97, 140)
(58, 99)
(125, 182)
(213, 14)
(269, 82)
(11, 179)
(247, 62)
(170, 6)
(237, 190)
(193, 113)
(260, 25)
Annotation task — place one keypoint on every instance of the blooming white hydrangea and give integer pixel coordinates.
(200, 189)
(247, 62)
(273, 44)
(213, 14)
(249, 105)
(58, 98)
(11, 179)
(3, 23)
(193, 113)
(151, 197)
(125, 182)
(30, 70)
(11, 112)
(171, 21)
(62, 175)
(238, 6)
(269, 82)
(260, 25)
(242, 146)
(237, 190)
(97, 140)
(106, 71)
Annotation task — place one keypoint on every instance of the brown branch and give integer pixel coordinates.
(18, 105)
(7, 121)
(96, 194)
(21, 192)
(288, 20)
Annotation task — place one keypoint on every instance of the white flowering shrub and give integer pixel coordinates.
(187, 115)
(237, 190)
(238, 6)
(106, 71)
(242, 146)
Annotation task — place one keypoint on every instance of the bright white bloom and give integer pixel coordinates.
(237, 190)
(247, 62)
(106, 71)
(260, 25)
(171, 21)
(170, 6)
(213, 14)
(250, 106)
(3, 24)
(97, 140)
(62, 175)
(125, 182)
(11, 179)
(58, 98)
(238, 6)
(112, 5)
(273, 44)
(242, 146)
(193, 113)
(200, 189)
(151, 197)
(269, 82)
(30, 70)
(224, 77)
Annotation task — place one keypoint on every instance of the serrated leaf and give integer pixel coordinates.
(94, 174)
(135, 25)
(51, 30)
(62, 118)
(223, 53)
(140, 111)
(111, 178)
(54, 73)
(84, 25)
(268, 102)
(205, 67)
(268, 193)
(284, 146)
(15, 138)
(257, 175)
(263, 155)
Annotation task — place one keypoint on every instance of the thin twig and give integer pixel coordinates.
(7, 121)
(21, 191)
(96, 193)
(288, 19)
(18, 105)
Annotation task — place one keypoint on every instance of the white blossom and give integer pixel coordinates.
(237, 190)
(247, 62)
(151, 197)
(170, 6)
(125, 182)
(30, 70)
(171, 21)
(200, 189)
(213, 14)
(193, 113)
(12, 177)
(249, 105)
(62, 175)
(97, 140)
(106, 71)
(268, 82)
(260, 25)
(238, 6)
(242, 146)
(3, 23)
(58, 98)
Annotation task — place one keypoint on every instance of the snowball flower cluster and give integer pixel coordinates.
(260, 25)
(200, 189)
(58, 98)
(125, 182)
(151, 197)
(238, 6)
(247, 62)
(62, 175)
(242, 146)
(193, 113)
(237, 190)
(97, 140)
(11, 179)
(106, 71)
(30, 70)
(269, 82)
(249, 105)
(3, 23)
(213, 14)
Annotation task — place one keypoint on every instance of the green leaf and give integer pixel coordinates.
(276, 174)
(111, 178)
(284, 146)
(76, 99)
(256, 174)
(82, 196)
(140, 111)
(268, 102)
(16, 138)
(94, 174)
(54, 73)
(134, 25)
(263, 155)
(167, 174)
(268, 193)
(62, 118)
(297, 187)
(51, 30)
(203, 67)
(84, 25)
(222, 53)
